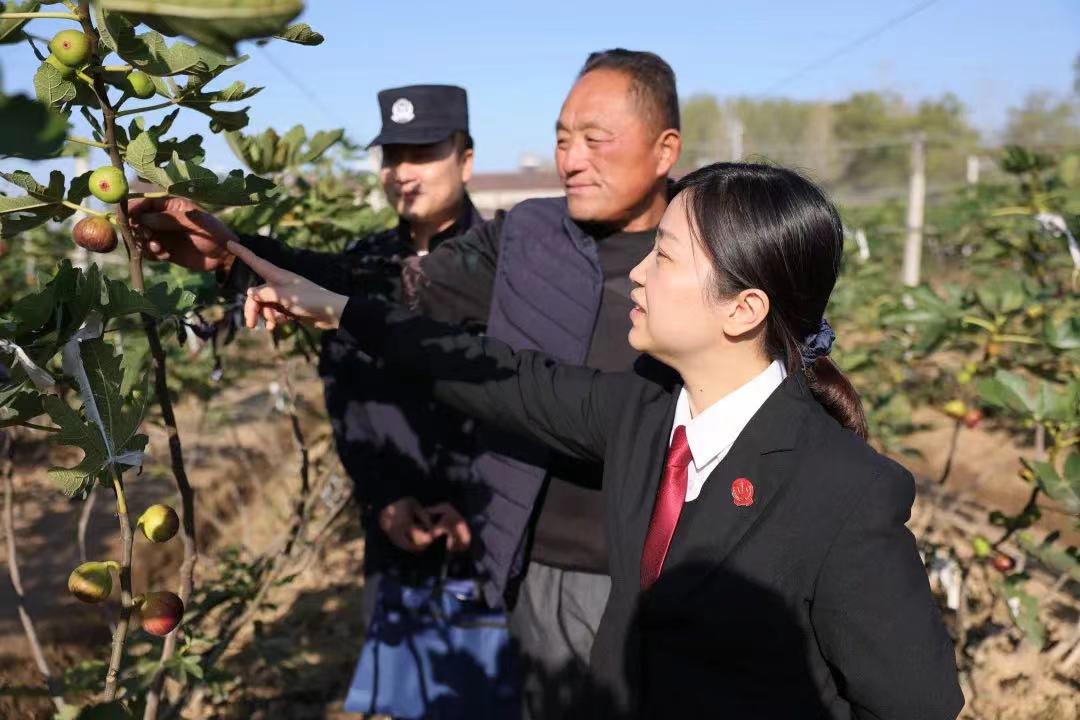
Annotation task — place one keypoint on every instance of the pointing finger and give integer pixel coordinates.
(265, 269)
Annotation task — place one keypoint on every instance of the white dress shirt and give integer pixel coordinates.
(712, 433)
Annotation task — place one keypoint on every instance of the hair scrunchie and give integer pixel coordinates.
(818, 344)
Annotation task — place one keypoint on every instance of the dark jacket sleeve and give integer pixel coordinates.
(343, 273)
(568, 408)
(453, 282)
(881, 631)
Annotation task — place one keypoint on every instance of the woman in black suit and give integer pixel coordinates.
(759, 559)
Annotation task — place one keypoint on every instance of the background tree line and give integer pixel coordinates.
(860, 146)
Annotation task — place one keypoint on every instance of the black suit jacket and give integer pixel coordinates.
(810, 603)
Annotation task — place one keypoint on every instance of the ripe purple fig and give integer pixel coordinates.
(160, 611)
(91, 582)
(1003, 563)
(96, 234)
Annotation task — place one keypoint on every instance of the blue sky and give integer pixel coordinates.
(518, 59)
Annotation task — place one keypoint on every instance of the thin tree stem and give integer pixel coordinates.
(38, 16)
(187, 510)
(7, 449)
(80, 208)
(84, 523)
(87, 141)
(145, 108)
(952, 452)
(120, 634)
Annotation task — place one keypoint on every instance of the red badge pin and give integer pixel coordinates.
(742, 492)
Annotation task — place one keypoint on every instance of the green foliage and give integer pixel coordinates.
(11, 30)
(29, 130)
(301, 34)
(1024, 608)
(189, 179)
(216, 24)
(269, 153)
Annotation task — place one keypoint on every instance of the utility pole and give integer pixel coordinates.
(735, 134)
(915, 213)
(972, 170)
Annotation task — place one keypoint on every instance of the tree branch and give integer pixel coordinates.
(7, 453)
(86, 141)
(126, 542)
(187, 509)
(38, 16)
(145, 108)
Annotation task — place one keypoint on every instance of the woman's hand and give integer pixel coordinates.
(286, 295)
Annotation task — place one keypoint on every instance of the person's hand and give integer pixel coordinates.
(449, 523)
(407, 524)
(179, 231)
(286, 295)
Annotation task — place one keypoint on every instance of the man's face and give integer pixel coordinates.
(606, 151)
(425, 183)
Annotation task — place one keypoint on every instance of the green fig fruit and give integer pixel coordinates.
(981, 546)
(108, 184)
(159, 523)
(139, 84)
(955, 409)
(91, 582)
(160, 611)
(65, 71)
(96, 234)
(70, 47)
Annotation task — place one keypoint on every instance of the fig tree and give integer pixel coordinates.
(70, 47)
(65, 71)
(160, 611)
(159, 523)
(108, 184)
(91, 582)
(139, 84)
(96, 234)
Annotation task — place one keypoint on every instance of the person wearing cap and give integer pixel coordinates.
(403, 455)
(549, 275)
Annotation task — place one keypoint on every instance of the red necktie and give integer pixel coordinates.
(670, 498)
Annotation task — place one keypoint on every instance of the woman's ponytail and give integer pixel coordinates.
(837, 395)
(828, 384)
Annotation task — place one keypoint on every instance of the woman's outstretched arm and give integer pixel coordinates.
(567, 408)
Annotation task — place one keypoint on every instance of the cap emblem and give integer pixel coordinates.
(402, 111)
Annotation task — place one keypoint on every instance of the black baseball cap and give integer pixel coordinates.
(421, 114)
